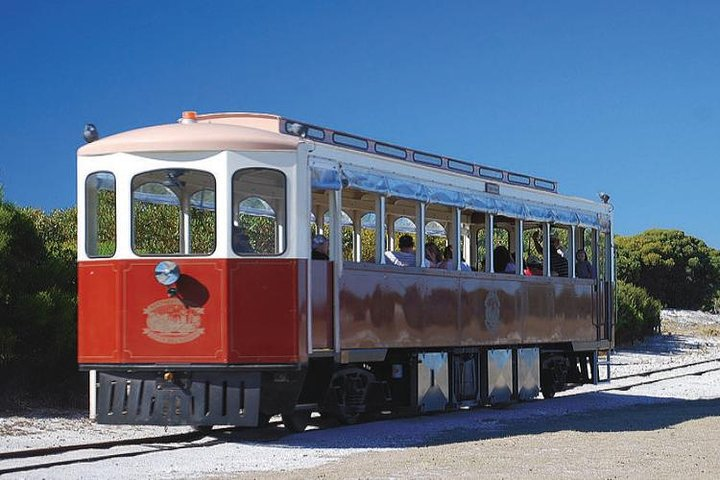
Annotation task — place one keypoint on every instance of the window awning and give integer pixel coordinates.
(326, 175)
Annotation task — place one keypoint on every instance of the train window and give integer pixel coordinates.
(347, 233)
(202, 222)
(100, 208)
(588, 244)
(476, 238)
(358, 241)
(348, 238)
(560, 263)
(368, 236)
(559, 254)
(259, 199)
(173, 212)
(402, 226)
(402, 232)
(584, 243)
(503, 252)
(532, 249)
(602, 257)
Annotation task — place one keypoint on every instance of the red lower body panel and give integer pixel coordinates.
(224, 311)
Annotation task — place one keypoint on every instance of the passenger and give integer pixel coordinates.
(320, 247)
(533, 266)
(405, 257)
(434, 257)
(448, 253)
(240, 240)
(503, 261)
(558, 263)
(583, 268)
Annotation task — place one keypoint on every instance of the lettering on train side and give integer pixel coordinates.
(169, 321)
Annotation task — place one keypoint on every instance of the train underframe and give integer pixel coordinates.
(407, 381)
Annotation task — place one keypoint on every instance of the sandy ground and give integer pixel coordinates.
(653, 441)
(666, 429)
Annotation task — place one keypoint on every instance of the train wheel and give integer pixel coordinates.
(548, 390)
(553, 375)
(348, 389)
(296, 421)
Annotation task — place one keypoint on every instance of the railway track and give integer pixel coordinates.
(97, 451)
(661, 378)
(19, 461)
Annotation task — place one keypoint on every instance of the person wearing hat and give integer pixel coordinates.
(320, 247)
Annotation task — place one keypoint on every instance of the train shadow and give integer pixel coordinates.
(589, 412)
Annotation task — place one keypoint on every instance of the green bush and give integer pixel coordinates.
(638, 314)
(679, 270)
(38, 305)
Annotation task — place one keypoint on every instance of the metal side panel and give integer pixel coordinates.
(500, 376)
(466, 379)
(203, 398)
(528, 371)
(433, 391)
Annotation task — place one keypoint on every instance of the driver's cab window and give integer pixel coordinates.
(100, 215)
(173, 212)
(259, 212)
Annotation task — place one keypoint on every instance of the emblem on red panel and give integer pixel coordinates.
(170, 321)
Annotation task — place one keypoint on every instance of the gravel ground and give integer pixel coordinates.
(666, 429)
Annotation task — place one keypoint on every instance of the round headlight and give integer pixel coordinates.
(167, 273)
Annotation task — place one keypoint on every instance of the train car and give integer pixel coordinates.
(436, 283)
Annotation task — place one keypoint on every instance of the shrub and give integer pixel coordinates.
(37, 304)
(679, 270)
(638, 314)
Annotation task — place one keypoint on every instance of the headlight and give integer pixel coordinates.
(167, 273)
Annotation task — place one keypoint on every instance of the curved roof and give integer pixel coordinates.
(210, 133)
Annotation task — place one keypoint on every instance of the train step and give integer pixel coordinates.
(601, 362)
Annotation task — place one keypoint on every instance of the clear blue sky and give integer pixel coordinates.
(619, 96)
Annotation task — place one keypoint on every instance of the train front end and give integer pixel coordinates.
(192, 303)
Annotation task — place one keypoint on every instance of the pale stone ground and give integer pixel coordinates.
(666, 429)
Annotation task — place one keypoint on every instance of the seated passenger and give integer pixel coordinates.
(240, 240)
(405, 257)
(320, 247)
(448, 253)
(533, 266)
(503, 261)
(434, 257)
(583, 268)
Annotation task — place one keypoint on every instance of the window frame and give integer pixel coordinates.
(234, 210)
(96, 222)
(133, 243)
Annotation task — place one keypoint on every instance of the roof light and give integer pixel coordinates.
(189, 116)
(90, 133)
